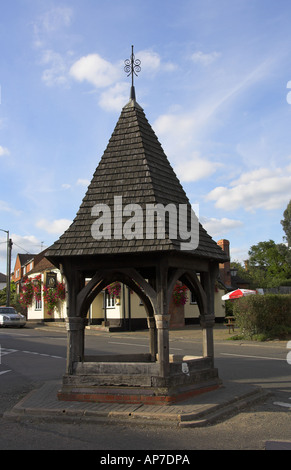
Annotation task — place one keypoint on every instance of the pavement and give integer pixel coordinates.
(200, 410)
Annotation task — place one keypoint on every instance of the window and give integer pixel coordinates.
(193, 299)
(38, 305)
(110, 300)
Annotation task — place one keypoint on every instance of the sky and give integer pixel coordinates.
(215, 85)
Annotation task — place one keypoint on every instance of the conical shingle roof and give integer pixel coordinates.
(134, 167)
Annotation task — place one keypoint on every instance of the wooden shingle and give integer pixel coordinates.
(135, 167)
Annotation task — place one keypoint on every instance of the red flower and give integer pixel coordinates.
(180, 294)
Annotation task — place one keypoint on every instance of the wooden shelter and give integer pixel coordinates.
(135, 171)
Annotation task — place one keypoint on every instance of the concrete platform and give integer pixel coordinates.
(278, 445)
(212, 406)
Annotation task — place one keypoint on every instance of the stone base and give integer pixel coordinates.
(132, 396)
(139, 382)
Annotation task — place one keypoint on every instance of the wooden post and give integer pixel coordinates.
(207, 323)
(153, 338)
(75, 341)
(207, 320)
(162, 322)
(75, 324)
(162, 318)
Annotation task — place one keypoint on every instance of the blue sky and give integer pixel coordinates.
(214, 86)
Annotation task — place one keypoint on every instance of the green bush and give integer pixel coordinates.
(264, 316)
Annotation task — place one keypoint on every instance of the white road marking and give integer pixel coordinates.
(141, 345)
(4, 372)
(253, 357)
(129, 344)
(4, 352)
(280, 403)
(41, 354)
(13, 333)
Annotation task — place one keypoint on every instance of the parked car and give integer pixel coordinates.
(9, 317)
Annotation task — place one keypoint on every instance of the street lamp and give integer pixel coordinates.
(8, 271)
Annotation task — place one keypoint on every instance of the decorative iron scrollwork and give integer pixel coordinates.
(132, 66)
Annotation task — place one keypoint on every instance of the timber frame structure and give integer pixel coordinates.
(135, 167)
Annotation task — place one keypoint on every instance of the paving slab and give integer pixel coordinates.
(278, 445)
(200, 410)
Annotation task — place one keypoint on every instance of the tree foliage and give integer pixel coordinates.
(268, 264)
(14, 301)
(286, 224)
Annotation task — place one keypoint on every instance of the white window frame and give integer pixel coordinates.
(110, 301)
(38, 305)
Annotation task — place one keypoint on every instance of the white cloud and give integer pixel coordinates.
(219, 227)
(151, 62)
(21, 244)
(205, 59)
(28, 242)
(4, 151)
(56, 227)
(95, 70)
(258, 189)
(196, 168)
(83, 182)
(115, 97)
(177, 129)
(57, 71)
(103, 74)
(56, 18)
(179, 134)
(49, 24)
(239, 254)
(6, 207)
(49, 29)
(183, 127)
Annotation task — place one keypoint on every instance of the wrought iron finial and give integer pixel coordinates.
(132, 66)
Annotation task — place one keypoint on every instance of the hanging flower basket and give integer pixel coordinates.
(37, 287)
(61, 289)
(31, 289)
(114, 289)
(180, 294)
(26, 296)
(52, 295)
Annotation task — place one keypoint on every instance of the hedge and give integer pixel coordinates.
(268, 316)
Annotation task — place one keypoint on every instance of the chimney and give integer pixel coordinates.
(224, 269)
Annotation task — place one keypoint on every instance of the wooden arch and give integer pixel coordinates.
(130, 278)
(190, 279)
